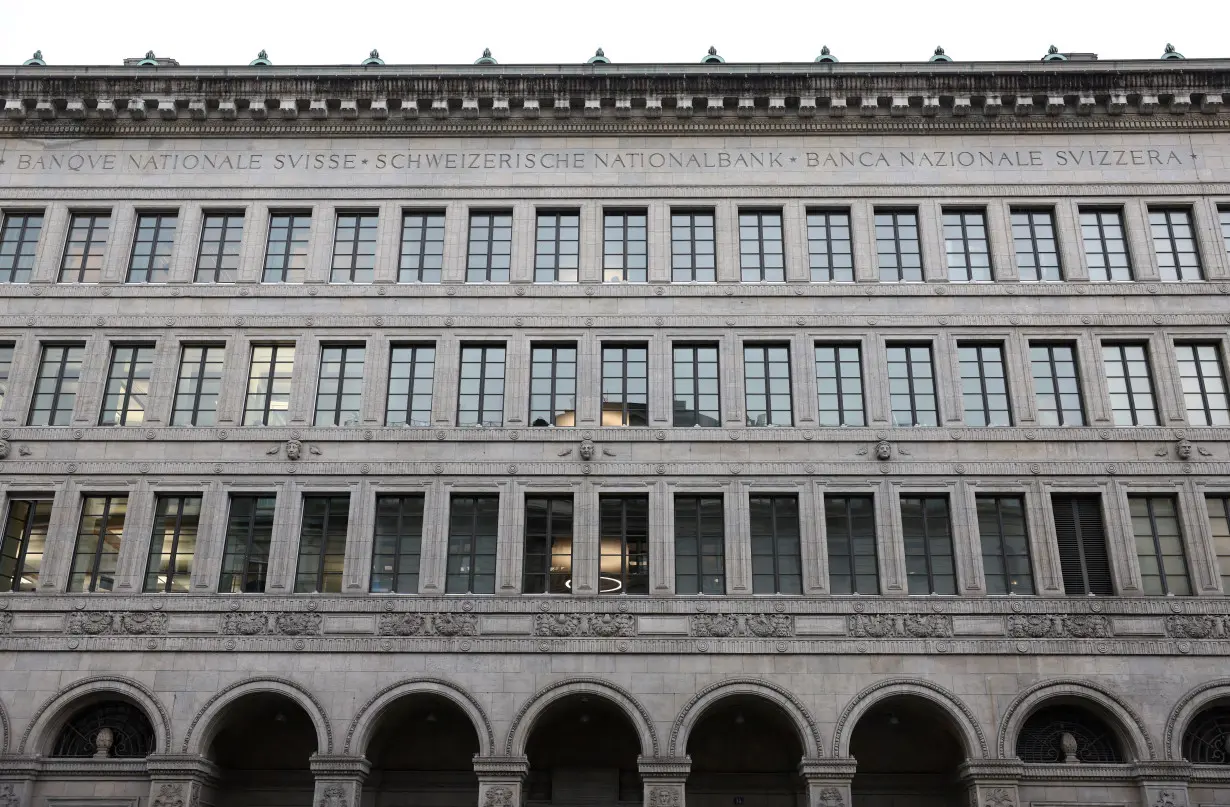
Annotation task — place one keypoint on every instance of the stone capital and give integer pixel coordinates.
(339, 766)
(181, 766)
(664, 768)
(499, 768)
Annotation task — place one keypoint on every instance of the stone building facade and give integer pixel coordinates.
(802, 434)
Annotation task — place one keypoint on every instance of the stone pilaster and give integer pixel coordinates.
(1163, 783)
(501, 780)
(664, 780)
(177, 780)
(339, 779)
(991, 782)
(828, 781)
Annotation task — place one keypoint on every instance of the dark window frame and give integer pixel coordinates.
(981, 364)
(99, 220)
(684, 417)
(473, 535)
(928, 554)
(555, 395)
(427, 225)
(550, 261)
(692, 253)
(1005, 557)
(1150, 501)
(1061, 413)
(761, 246)
(626, 558)
(155, 553)
(1080, 541)
(271, 367)
(109, 500)
(226, 229)
(1198, 364)
(366, 223)
(58, 393)
(202, 375)
(160, 228)
(689, 512)
(846, 502)
(247, 574)
(1031, 221)
(320, 577)
(333, 409)
(845, 414)
(961, 218)
(1222, 502)
(483, 378)
(912, 378)
(298, 229)
(123, 409)
(782, 580)
(625, 405)
(896, 219)
(23, 246)
(539, 578)
(764, 362)
(1124, 363)
(1180, 269)
(615, 219)
(404, 533)
(486, 267)
(820, 219)
(33, 504)
(1096, 218)
(414, 363)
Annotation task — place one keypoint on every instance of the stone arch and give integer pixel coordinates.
(205, 724)
(369, 714)
(1190, 705)
(962, 716)
(51, 715)
(523, 722)
(1125, 722)
(809, 734)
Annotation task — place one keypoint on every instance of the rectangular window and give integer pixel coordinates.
(761, 254)
(700, 545)
(1223, 214)
(339, 392)
(898, 252)
(625, 247)
(1083, 558)
(173, 544)
(1159, 545)
(766, 376)
(984, 385)
(1130, 384)
(548, 545)
(286, 253)
(217, 261)
(480, 398)
(127, 393)
(98, 543)
(1174, 243)
(1219, 527)
(965, 241)
(625, 385)
(850, 527)
(24, 544)
(85, 248)
(354, 248)
(269, 378)
(6, 368)
(1204, 384)
(839, 385)
(18, 244)
(55, 391)
(198, 386)
(557, 247)
(150, 261)
(553, 385)
(911, 386)
(422, 247)
(411, 372)
(1057, 388)
(249, 535)
(697, 396)
(829, 249)
(490, 252)
(1106, 248)
(692, 247)
(473, 530)
(398, 544)
(623, 566)
(1037, 250)
(927, 531)
(1005, 545)
(777, 564)
(322, 544)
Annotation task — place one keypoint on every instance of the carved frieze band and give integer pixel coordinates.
(898, 626)
(763, 626)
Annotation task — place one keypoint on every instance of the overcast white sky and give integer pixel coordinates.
(230, 32)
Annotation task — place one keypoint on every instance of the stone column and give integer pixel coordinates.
(991, 782)
(339, 779)
(663, 779)
(501, 780)
(1163, 783)
(828, 781)
(176, 780)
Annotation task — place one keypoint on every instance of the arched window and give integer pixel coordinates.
(1207, 739)
(104, 730)
(1067, 734)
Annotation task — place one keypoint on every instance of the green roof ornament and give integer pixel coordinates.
(261, 60)
(826, 55)
(372, 58)
(599, 57)
(1053, 55)
(36, 60)
(486, 58)
(712, 57)
(1171, 53)
(940, 55)
(150, 60)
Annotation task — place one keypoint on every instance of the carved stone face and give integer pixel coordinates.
(883, 451)
(587, 451)
(293, 449)
(1185, 450)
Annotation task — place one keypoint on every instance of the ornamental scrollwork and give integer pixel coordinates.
(1059, 626)
(900, 626)
(1185, 626)
(761, 626)
(831, 797)
(170, 794)
(90, 623)
(401, 624)
(245, 624)
(719, 625)
(770, 625)
(454, 625)
(601, 625)
(412, 624)
(498, 796)
(333, 795)
(608, 625)
(664, 797)
(143, 623)
(998, 797)
(297, 624)
(106, 623)
(6, 622)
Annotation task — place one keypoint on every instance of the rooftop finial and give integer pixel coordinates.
(261, 60)
(1052, 49)
(149, 54)
(599, 57)
(150, 60)
(1053, 55)
(712, 50)
(486, 58)
(373, 58)
(599, 51)
(940, 56)
(1171, 53)
(712, 57)
(375, 54)
(36, 60)
(826, 55)
(824, 50)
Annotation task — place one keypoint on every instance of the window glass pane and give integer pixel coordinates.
(249, 535)
(1203, 379)
(286, 251)
(127, 393)
(930, 566)
(339, 391)
(55, 389)
(625, 385)
(1219, 529)
(322, 544)
(850, 529)
(397, 544)
(411, 375)
(761, 255)
(776, 560)
(1159, 545)
(553, 385)
(911, 385)
(696, 385)
(1174, 244)
(221, 246)
(623, 566)
(984, 385)
(1037, 248)
(422, 248)
(489, 256)
(1106, 249)
(1005, 545)
(1056, 385)
(557, 247)
(1130, 384)
(692, 247)
(173, 543)
(354, 248)
(85, 248)
(700, 560)
(473, 530)
(150, 261)
(98, 543)
(839, 385)
(766, 379)
(198, 386)
(24, 544)
(625, 247)
(967, 246)
(898, 252)
(548, 545)
(829, 248)
(269, 385)
(19, 234)
(481, 394)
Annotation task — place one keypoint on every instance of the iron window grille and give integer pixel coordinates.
(623, 562)
(1004, 536)
(625, 385)
(150, 261)
(198, 386)
(1206, 740)
(354, 247)
(1042, 737)
(85, 248)
(839, 385)
(6, 368)
(1037, 249)
(98, 543)
(221, 247)
(927, 530)
(422, 247)
(1081, 538)
(829, 248)
(766, 379)
(19, 235)
(339, 392)
(762, 256)
(397, 545)
(1130, 384)
(480, 397)
(472, 538)
(1219, 528)
(697, 386)
(984, 385)
(777, 564)
(700, 538)
(1057, 389)
(557, 249)
(24, 544)
(1159, 546)
(898, 250)
(173, 543)
(269, 385)
(911, 385)
(55, 391)
(322, 544)
(127, 393)
(553, 385)
(411, 374)
(548, 545)
(132, 736)
(625, 247)
(286, 251)
(1106, 249)
(490, 252)
(1203, 378)
(967, 247)
(693, 247)
(850, 529)
(1174, 244)
(249, 536)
